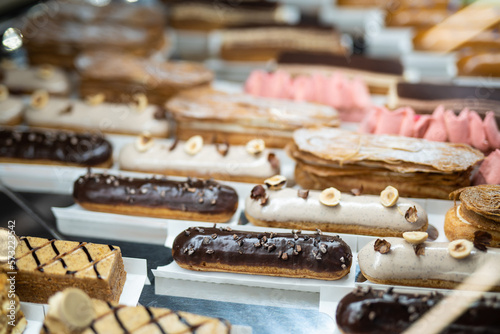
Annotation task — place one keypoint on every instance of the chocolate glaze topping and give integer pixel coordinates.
(59, 146)
(425, 91)
(381, 312)
(353, 62)
(192, 195)
(312, 252)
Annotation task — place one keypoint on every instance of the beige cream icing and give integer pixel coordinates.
(237, 162)
(27, 79)
(10, 109)
(105, 117)
(402, 263)
(364, 210)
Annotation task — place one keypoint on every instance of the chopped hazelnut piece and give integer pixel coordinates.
(382, 246)
(411, 215)
(303, 193)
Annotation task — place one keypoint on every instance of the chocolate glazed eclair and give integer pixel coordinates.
(275, 254)
(193, 199)
(381, 312)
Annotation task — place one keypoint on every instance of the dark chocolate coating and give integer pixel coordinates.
(311, 252)
(425, 91)
(381, 312)
(57, 146)
(353, 62)
(193, 195)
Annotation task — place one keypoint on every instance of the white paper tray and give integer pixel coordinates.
(136, 279)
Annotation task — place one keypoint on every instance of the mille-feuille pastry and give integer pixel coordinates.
(72, 311)
(120, 76)
(381, 75)
(193, 199)
(425, 97)
(332, 211)
(328, 157)
(49, 147)
(45, 267)
(206, 15)
(442, 125)
(384, 3)
(237, 118)
(293, 254)
(193, 158)
(480, 62)
(350, 98)
(59, 42)
(378, 311)
(26, 80)
(12, 319)
(11, 108)
(93, 114)
(263, 43)
(476, 215)
(396, 261)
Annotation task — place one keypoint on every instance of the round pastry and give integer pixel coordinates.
(379, 312)
(202, 200)
(275, 254)
(477, 214)
(310, 209)
(428, 264)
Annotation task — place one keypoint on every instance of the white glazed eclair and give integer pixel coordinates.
(435, 267)
(302, 209)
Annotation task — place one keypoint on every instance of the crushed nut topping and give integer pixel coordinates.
(257, 244)
(264, 200)
(206, 240)
(371, 315)
(191, 251)
(382, 246)
(222, 148)
(235, 236)
(298, 248)
(210, 251)
(481, 240)
(271, 247)
(419, 249)
(214, 236)
(357, 191)
(303, 193)
(411, 215)
(187, 233)
(284, 256)
(322, 248)
(200, 200)
(212, 202)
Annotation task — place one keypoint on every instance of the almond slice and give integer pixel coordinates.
(460, 248)
(193, 145)
(144, 142)
(255, 146)
(415, 237)
(39, 99)
(389, 196)
(276, 182)
(330, 197)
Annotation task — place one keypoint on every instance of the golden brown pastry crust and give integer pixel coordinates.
(455, 229)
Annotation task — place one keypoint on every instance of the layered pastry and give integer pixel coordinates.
(380, 75)
(94, 115)
(54, 148)
(489, 173)
(263, 43)
(385, 311)
(12, 319)
(350, 98)
(328, 157)
(250, 163)
(45, 267)
(480, 62)
(11, 108)
(293, 254)
(60, 40)
(238, 118)
(331, 211)
(395, 261)
(120, 76)
(206, 15)
(386, 4)
(425, 97)
(26, 80)
(442, 125)
(193, 199)
(477, 215)
(72, 311)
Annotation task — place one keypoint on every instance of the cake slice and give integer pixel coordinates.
(45, 267)
(71, 311)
